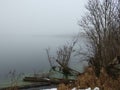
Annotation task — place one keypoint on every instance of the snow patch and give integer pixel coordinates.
(51, 89)
(74, 89)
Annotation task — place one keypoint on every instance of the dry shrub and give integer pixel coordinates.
(14, 78)
(107, 82)
(104, 82)
(61, 61)
(89, 79)
(101, 24)
(13, 88)
(63, 87)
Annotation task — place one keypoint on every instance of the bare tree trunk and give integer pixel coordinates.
(102, 27)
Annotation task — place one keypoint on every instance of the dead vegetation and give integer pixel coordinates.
(101, 24)
(62, 60)
(89, 79)
(14, 79)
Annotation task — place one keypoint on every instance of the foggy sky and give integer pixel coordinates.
(40, 16)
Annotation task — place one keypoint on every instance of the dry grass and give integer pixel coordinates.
(65, 86)
(89, 79)
(13, 88)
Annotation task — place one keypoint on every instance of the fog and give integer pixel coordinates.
(28, 27)
(41, 17)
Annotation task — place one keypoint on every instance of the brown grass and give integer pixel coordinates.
(11, 88)
(89, 79)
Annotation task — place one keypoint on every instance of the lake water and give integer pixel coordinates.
(27, 53)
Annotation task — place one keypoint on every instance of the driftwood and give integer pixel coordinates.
(39, 79)
(47, 80)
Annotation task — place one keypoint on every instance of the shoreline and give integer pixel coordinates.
(30, 86)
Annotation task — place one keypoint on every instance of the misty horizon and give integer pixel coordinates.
(48, 17)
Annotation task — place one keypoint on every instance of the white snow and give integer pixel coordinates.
(74, 89)
(51, 89)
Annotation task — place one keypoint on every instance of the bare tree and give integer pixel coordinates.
(62, 59)
(102, 27)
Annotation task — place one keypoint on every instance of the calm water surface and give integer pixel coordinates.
(27, 54)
